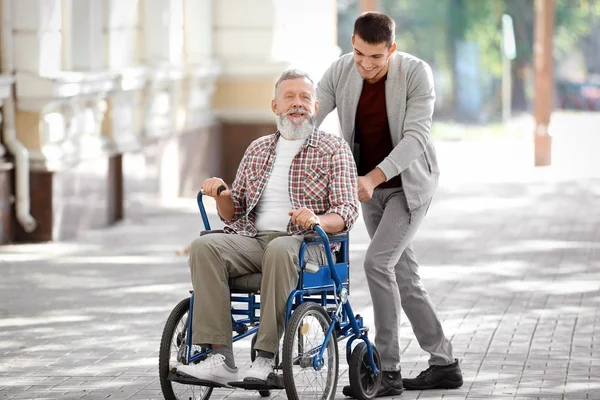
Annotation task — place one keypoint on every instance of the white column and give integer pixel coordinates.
(86, 44)
(121, 32)
(38, 36)
(162, 22)
(305, 36)
(244, 37)
(265, 36)
(198, 30)
(121, 29)
(6, 82)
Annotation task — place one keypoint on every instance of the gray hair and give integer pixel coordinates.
(294, 74)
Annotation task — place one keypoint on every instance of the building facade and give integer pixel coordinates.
(109, 102)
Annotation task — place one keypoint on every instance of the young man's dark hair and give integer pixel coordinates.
(374, 28)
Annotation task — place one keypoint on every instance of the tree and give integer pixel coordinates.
(430, 29)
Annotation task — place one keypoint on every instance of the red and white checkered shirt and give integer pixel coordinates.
(322, 178)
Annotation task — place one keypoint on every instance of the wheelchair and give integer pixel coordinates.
(318, 316)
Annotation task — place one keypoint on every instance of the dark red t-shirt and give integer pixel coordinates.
(372, 130)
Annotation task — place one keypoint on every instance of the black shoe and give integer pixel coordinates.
(391, 385)
(436, 377)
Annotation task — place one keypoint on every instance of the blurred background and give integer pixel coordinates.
(115, 111)
(463, 42)
(108, 105)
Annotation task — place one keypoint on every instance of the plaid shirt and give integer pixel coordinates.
(322, 178)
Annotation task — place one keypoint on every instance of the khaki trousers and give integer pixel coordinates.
(216, 257)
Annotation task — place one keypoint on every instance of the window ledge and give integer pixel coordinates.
(35, 88)
(209, 69)
(132, 78)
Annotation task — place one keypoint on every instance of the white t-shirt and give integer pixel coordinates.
(274, 203)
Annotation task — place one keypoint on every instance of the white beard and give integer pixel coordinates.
(290, 131)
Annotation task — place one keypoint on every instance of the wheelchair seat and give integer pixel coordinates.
(250, 283)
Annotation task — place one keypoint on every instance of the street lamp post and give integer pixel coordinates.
(544, 79)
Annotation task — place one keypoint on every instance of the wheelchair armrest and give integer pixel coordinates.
(211, 231)
(337, 237)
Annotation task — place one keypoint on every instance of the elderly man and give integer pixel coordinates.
(286, 182)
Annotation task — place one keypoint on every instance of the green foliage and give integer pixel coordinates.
(426, 28)
(421, 27)
(574, 20)
(483, 26)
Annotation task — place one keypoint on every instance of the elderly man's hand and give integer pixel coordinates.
(304, 217)
(211, 186)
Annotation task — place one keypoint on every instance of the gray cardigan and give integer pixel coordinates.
(410, 97)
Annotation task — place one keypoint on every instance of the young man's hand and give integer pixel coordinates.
(368, 183)
(365, 188)
(304, 217)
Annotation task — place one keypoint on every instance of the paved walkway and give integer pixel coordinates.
(510, 255)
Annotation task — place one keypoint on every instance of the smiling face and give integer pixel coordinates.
(371, 59)
(295, 105)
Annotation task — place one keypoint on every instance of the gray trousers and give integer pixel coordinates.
(216, 257)
(393, 277)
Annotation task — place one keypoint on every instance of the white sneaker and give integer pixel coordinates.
(260, 369)
(212, 369)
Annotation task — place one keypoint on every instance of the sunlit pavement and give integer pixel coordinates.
(509, 254)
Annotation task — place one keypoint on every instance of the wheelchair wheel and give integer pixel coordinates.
(364, 385)
(172, 351)
(263, 393)
(303, 339)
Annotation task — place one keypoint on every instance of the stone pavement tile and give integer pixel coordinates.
(449, 396)
(426, 395)
(26, 396)
(145, 395)
(495, 396)
(40, 388)
(18, 383)
(528, 397)
(545, 394)
(97, 396)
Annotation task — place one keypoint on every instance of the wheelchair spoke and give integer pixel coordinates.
(304, 338)
(173, 351)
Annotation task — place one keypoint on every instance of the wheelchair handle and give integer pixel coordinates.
(326, 244)
(317, 228)
(205, 220)
(220, 190)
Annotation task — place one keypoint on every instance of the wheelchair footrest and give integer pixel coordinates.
(185, 379)
(274, 382)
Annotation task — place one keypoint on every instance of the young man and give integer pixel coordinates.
(286, 182)
(385, 101)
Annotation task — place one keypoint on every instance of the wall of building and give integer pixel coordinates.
(120, 101)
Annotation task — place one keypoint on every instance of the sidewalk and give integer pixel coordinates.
(509, 255)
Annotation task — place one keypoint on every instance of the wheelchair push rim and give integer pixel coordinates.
(303, 340)
(173, 346)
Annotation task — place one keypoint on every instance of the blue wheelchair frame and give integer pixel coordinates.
(328, 286)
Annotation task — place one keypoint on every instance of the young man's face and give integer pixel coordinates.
(371, 59)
